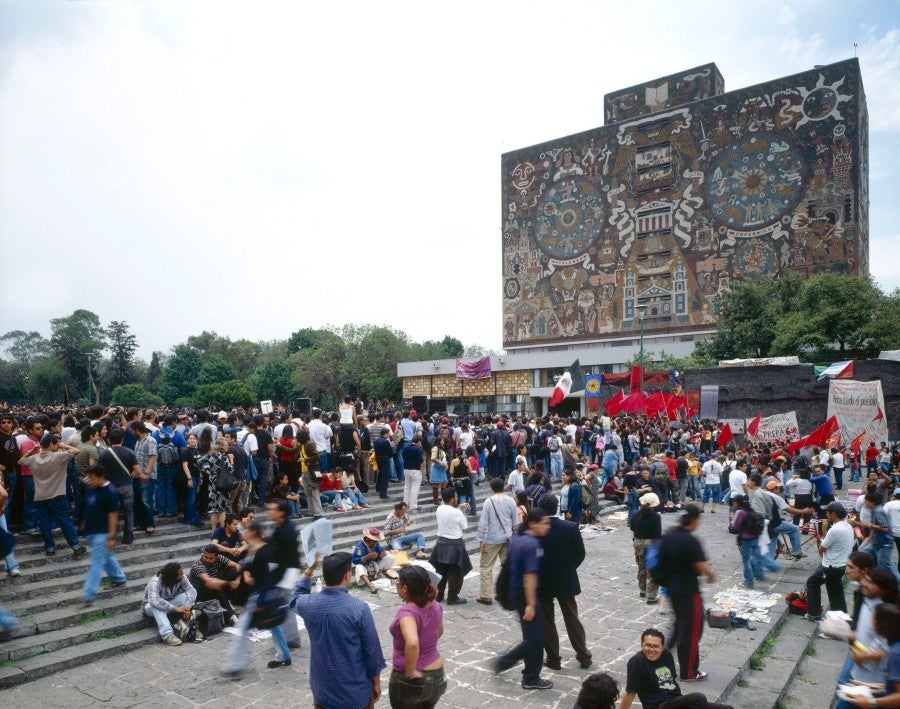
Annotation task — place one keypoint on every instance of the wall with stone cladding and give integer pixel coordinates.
(445, 386)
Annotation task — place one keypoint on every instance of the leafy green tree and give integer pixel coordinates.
(73, 339)
(374, 364)
(48, 383)
(180, 376)
(273, 381)
(318, 371)
(155, 371)
(122, 346)
(224, 395)
(242, 355)
(13, 389)
(215, 370)
(306, 338)
(25, 349)
(134, 395)
(452, 347)
(662, 361)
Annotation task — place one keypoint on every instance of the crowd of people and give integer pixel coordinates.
(83, 471)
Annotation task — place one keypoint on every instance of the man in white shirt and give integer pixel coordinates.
(893, 512)
(835, 549)
(737, 479)
(837, 465)
(516, 480)
(449, 556)
(712, 478)
(499, 518)
(320, 434)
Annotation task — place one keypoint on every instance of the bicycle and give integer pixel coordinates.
(783, 541)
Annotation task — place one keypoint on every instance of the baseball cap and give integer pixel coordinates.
(837, 508)
(773, 485)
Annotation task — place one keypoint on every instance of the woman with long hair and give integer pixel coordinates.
(417, 676)
(287, 447)
(311, 473)
(439, 465)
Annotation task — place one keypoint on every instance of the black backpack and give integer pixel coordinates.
(226, 480)
(167, 453)
(753, 523)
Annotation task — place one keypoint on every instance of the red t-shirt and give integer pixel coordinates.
(871, 454)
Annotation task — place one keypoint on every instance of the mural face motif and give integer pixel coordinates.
(658, 213)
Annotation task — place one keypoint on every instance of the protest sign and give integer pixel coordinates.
(859, 408)
(778, 427)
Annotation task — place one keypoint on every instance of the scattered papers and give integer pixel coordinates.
(848, 691)
(254, 634)
(316, 537)
(747, 604)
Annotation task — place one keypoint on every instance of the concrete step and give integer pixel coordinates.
(86, 629)
(815, 683)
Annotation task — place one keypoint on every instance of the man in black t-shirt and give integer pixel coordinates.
(263, 460)
(122, 467)
(681, 560)
(651, 676)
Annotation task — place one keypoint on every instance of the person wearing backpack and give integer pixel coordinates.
(570, 497)
(169, 443)
(748, 524)
(554, 446)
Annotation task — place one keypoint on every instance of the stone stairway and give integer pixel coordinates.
(57, 632)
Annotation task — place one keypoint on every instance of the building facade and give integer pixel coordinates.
(684, 190)
(627, 236)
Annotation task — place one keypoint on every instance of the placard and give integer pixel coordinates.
(859, 408)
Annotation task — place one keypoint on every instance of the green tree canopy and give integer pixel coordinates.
(215, 370)
(122, 346)
(134, 395)
(273, 380)
(224, 395)
(73, 339)
(181, 373)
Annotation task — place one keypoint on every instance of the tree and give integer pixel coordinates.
(13, 388)
(25, 350)
(372, 364)
(662, 361)
(215, 370)
(72, 339)
(154, 372)
(242, 355)
(317, 371)
(272, 380)
(122, 346)
(180, 376)
(48, 382)
(451, 347)
(134, 395)
(224, 395)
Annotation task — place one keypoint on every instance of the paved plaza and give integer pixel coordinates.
(160, 676)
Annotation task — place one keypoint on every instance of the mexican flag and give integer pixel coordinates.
(571, 381)
(838, 370)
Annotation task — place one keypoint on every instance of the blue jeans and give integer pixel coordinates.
(263, 466)
(333, 497)
(76, 489)
(13, 478)
(884, 557)
(398, 462)
(693, 488)
(162, 617)
(793, 532)
(713, 491)
(29, 509)
(102, 559)
(838, 478)
(357, 498)
(416, 538)
(239, 658)
(9, 559)
(190, 502)
(753, 568)
(55, 511)
(165, 491)
(147, 489)
(556, 466)
(531, 649)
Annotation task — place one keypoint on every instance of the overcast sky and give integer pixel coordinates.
(255, 168)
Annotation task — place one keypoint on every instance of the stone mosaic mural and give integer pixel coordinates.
(659, 211)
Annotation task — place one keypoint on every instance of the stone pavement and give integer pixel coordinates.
(614, 616)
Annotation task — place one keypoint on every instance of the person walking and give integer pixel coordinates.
(346, 661)
(681, 561)
(449, 556)
(417, 668)
(564, 552)
(646, 526)
(495, 528)
(101, 527)
(524, 559)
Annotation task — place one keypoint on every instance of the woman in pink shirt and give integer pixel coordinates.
(417, 677)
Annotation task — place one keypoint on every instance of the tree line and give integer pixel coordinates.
(826, 318)
(84, 361)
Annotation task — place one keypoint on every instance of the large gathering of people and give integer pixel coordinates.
(86, 472)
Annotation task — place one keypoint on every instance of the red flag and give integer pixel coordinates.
(634, 402)
(636, 377)
(846, 372)
(655, 403)
(725, 436)
(672, 406)
(593, 403)
(614, 405)
(856, 443)
(753, 426)
(819, 437)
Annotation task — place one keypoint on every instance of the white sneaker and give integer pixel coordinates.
(198, 636)
(15, 573)
(172, 640)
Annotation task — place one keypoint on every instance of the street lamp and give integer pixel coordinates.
(89, 356)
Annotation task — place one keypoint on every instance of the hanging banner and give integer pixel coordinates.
(709, 401)
(859, 408)
(778, 427)
(592, 383)
(474, 368)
